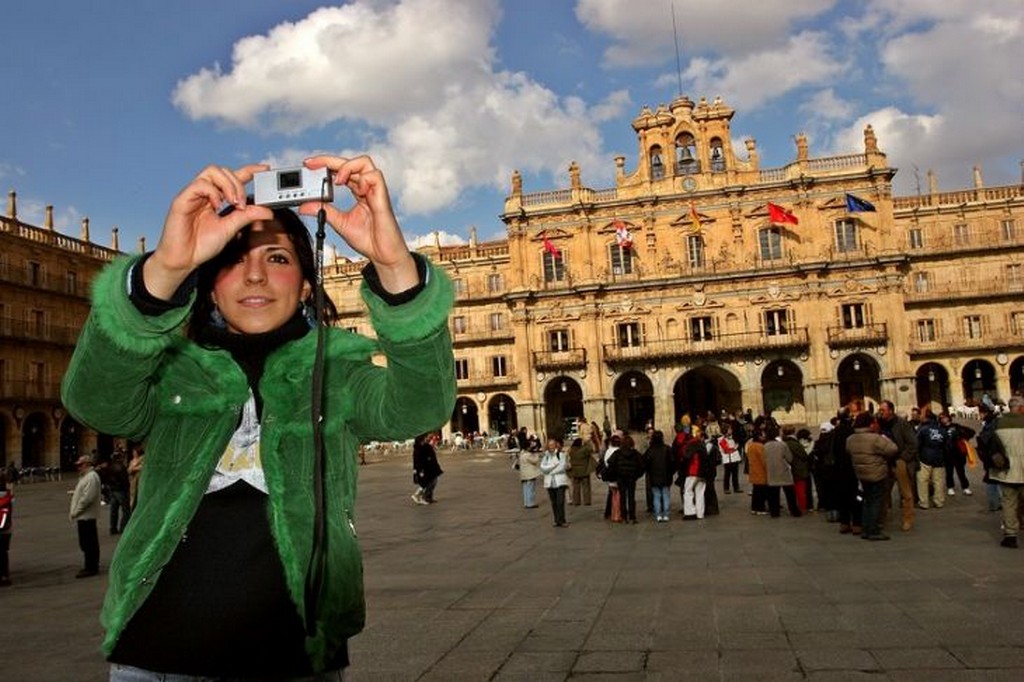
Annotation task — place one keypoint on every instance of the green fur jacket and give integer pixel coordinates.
(139, 377)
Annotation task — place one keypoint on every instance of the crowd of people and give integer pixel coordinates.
(851, 470)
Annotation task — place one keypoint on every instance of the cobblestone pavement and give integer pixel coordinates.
(478, 588)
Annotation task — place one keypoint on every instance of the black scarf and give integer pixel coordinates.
(251, 351)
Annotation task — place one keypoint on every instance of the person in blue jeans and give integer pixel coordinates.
(529, 472)
(660, 465)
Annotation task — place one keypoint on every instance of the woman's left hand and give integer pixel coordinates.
(370, 226)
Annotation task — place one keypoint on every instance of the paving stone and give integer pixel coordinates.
(477, 588)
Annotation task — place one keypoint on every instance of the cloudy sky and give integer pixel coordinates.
(111, 107)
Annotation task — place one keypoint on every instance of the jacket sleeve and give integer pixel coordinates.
(107, 384)
(415, 393)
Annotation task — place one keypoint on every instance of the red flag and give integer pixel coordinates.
(777, 214)
(622, 235)
(551, 248)
(694, 217)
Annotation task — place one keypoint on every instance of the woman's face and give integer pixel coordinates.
(261, 291)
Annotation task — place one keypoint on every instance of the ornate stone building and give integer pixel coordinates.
(45, 279)
(703, 282)
(686, 287)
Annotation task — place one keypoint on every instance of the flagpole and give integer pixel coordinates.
(675, 37)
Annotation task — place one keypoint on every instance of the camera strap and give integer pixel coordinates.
(318, 558)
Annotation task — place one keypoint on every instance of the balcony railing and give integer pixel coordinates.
(29, 390)
(548, 360)
(510, 379)
(958, 290)
(22, 330)
(482, 336)
(1002, 339)
(875, 334)
(959, 197)
(715, 345)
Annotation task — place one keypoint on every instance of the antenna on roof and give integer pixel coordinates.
(675, 37)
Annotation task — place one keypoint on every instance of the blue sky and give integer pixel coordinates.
(111, 107)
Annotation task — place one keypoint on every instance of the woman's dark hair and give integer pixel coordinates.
(207, 272)
(657, 438)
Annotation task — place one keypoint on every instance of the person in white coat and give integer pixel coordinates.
(85, 509)
(554, 465)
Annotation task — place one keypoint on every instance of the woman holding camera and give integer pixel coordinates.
(203, 350)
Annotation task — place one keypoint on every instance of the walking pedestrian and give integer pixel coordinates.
(425, 468)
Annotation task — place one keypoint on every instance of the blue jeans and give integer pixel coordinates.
(530, 492)
(992, 493)
(127, 673)
(662, 500)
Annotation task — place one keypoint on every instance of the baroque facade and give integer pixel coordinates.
(677, 290)
(680, 289)
(45, 280)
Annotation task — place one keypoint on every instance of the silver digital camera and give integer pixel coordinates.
(292, 186)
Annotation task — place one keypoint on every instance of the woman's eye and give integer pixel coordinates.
(279, 258)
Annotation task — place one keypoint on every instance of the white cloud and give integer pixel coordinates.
(826, 104)
(442, 237)
(642, 31)
(959, 63)
(437, 116)
(751, 80)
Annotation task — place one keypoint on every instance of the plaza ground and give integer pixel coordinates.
(477, 588)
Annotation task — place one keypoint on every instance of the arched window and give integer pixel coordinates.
(717, 156)
(686, 155)
(657, 163)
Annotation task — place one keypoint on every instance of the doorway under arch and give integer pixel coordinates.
(706, 389)
(634, 401)
(563, 405)
(501, 415)
(782, 392)
(931, 383)
(858, 376)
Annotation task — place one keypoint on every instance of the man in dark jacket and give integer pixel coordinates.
(899, 431)
(931, 451)
(627, 465)
(660, 464)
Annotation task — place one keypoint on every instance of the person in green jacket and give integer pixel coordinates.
(203, 350)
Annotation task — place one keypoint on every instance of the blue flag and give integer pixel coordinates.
(856, 204)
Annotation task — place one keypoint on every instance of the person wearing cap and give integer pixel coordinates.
(240, 561)
(85, 509)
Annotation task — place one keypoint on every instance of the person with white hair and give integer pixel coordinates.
(85, 509)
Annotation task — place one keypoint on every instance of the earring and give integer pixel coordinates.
(217, 318)
(309, 313)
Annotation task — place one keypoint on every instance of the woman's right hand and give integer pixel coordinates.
(194, 231)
